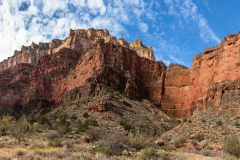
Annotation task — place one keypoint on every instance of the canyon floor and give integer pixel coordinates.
(122, 129)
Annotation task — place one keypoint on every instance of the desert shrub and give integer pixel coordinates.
(232, 158)
(179, 142)
(112, 143)
(4, 158)
(62, 119)
(232, 146)
(53, 135)
(115, 142)
(69, 145)
(148, 153)
(56, 142)
(91, 122)
(63, 129)
(163, 155)
(20, 153)
(101, 157)
(219, 123)
(37, 146)
(137, 140)
(34, 127)
(237, 124)
(199, 137)
(94, 134)
(42, 120)
(5, 125)
(73, 117)
(194, 143)
(3, 112)
(82, 126)
(20, 128)
(207, 152)
(126, 125)
(86, 115)
(103, 148)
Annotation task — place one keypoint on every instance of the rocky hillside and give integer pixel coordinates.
(62, 71)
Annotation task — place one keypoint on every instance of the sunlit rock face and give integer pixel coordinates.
(214, 67)
(89, 61)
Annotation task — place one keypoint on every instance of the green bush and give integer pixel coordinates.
(82, 126)
(137, 140)
(62, 119)
(42, 120)
(20, 128)
(232, 146)
(219, 123)
(163, 155)
(73, 117)
(199, 137)
(94, 134)
(237, 124)
(3, 111)
(20, 153)
(91, 122)
(126, 125)
(179, 142)
(86, 115)
(112, 144)
(148, 153)
(103, 148)
(6, 123)
(56, 142)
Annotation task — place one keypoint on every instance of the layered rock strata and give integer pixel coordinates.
(89, 61)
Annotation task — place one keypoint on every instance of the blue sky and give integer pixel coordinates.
(176, 29)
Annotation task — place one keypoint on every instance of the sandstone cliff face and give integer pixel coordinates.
(215, 65)
(88, 62)
(176, 97)
(78, 40)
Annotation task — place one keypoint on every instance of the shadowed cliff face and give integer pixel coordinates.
(89, 61)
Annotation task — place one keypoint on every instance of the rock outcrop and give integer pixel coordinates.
(89, 62)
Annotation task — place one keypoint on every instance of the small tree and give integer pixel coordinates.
(5, 125)
(232, 146)
(21, 128)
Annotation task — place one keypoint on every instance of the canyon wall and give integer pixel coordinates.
(89, 61)
(78, 40)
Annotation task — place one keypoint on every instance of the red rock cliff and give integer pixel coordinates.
(88, 61)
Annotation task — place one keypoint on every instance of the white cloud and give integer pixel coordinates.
(143, 27)
(97, 5)
(189, 12)
(169, 52)
(206, 32)
(43, 20)
(78, 3)
(175, 59)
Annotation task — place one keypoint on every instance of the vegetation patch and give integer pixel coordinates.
(199, 137)
(148, 153)
(232, 146)
(126, 125)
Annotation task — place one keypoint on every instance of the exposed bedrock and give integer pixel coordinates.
(90, 62)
